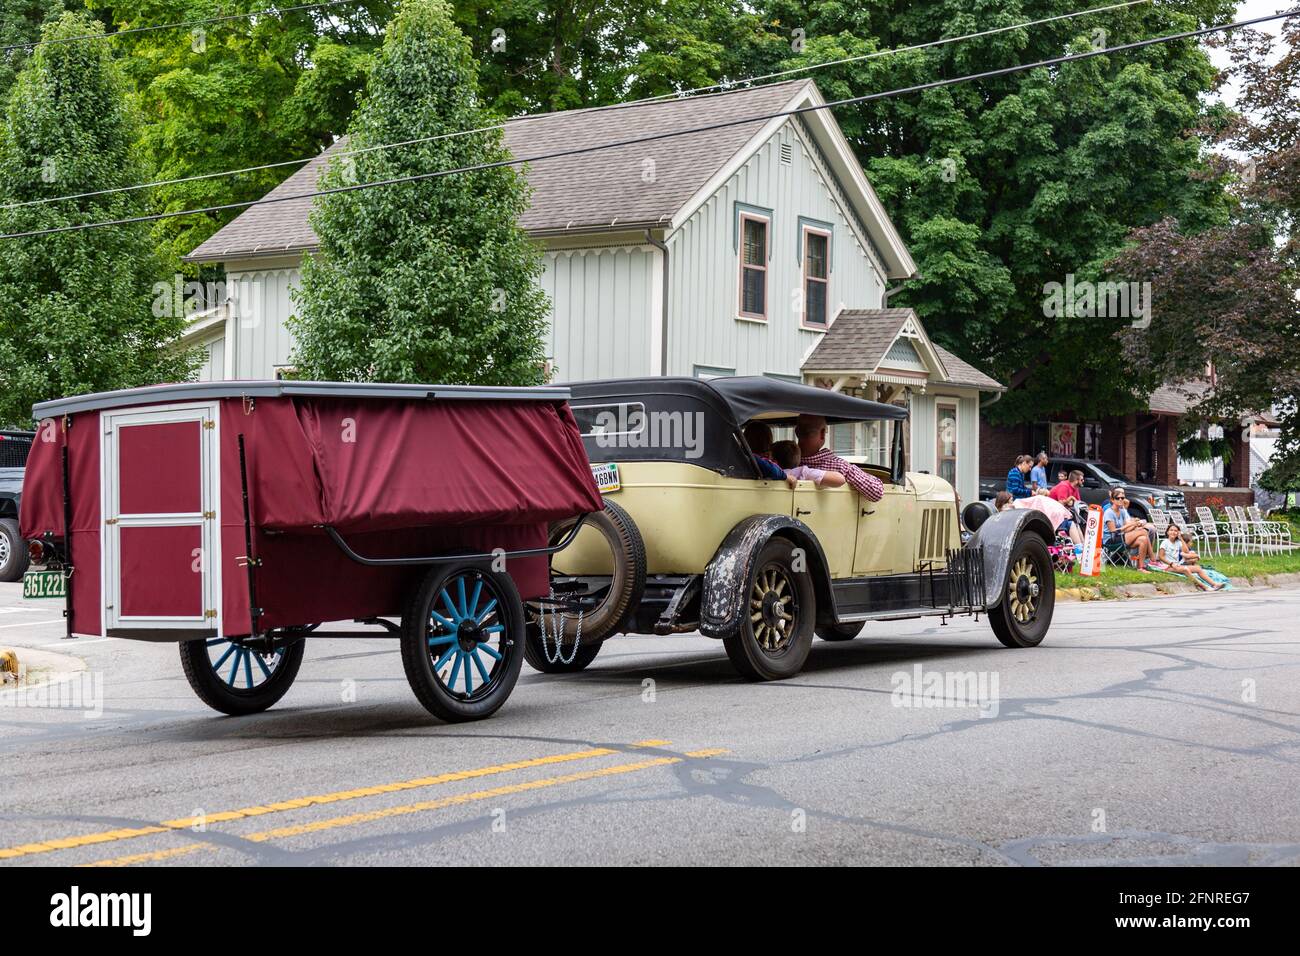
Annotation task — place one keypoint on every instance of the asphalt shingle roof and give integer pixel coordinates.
(859, 338)
(575, 192)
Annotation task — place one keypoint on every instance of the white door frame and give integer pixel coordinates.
(207, 519)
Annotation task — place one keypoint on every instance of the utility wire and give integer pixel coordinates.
(559, 154)
(153, 28)
(716, 88)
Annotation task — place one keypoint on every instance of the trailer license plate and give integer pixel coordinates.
(606, 476)
(45, 584)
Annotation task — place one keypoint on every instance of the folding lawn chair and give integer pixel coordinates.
(1209, 527)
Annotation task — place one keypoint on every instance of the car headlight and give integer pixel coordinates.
(1158, 500)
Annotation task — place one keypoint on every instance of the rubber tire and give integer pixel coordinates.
(628, 584)
(415, 647)
(742, 646)
(16, 565)
(1010, 631)
(536, 658)
(218, 695)
(840, 632)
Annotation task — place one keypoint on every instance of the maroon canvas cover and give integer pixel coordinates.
(396, 477)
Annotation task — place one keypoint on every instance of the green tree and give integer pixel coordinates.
(20, 22)
(1229, 295)
(1004, 185)
(75, 307)
(235, 94)
(545, 55)
(427, 281)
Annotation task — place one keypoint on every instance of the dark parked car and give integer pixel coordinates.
(1099, 478)
(14, 447)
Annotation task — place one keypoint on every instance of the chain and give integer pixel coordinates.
(557, 626)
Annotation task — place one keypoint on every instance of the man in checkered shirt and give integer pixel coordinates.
(811, 435)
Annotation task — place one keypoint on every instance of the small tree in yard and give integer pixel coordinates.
(75, 307)
(432, 280)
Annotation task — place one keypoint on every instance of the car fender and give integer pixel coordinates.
(722, 598)
(997, 535)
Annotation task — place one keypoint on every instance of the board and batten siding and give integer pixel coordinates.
(258, 332)
(924, 436)
(704, 266)
(604, 304)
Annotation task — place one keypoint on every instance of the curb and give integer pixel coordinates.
(43, 668)
(1128, 592)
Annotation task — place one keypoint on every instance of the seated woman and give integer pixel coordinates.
(1122, 533)
(786, 454)
(759, 437)
(1183, 560)
(1061, 517)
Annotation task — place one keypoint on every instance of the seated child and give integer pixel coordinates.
(786, 454)
(1182, 559)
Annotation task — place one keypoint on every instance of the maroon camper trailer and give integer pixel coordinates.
(235, 518)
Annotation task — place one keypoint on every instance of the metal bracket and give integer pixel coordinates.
(450, 558)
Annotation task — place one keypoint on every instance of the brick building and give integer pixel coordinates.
(1143, 445)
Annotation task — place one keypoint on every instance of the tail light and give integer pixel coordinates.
(37, 551)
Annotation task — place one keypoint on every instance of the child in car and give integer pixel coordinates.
(786, 454)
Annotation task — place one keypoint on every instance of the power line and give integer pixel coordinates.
(718, 87)
(153, 28)
(580, 150)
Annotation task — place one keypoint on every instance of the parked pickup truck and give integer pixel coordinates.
(14, 447)
(1098, 479)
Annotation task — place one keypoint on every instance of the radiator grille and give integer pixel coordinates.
(936, 525)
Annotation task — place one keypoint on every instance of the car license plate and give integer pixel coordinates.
(606, 476)
(45, 584)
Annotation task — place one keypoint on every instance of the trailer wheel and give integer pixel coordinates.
(776, 628)
(463, 641)
(238, 680)
(13, 552)
(1022, 616)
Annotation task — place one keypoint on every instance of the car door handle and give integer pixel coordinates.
(801, 511)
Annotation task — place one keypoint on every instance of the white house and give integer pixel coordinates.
(733, 250)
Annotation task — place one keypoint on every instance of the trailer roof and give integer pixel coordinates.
(187, 391)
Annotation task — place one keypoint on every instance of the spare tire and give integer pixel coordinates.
(627, 581)
(975, 514)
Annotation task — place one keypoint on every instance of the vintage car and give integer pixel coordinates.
(693, 537)
(235, 518)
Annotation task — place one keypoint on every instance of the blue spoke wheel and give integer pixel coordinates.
(462, 641)
(237, 679)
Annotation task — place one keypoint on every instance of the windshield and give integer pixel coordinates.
(1111, 473)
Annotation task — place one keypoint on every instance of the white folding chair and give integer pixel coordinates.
(1278, 533)
(1248, 533)
(1160, 520)
(1209, 527)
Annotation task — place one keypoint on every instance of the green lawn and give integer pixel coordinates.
(1237, 567)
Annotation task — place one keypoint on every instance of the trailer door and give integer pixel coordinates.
(160, 520)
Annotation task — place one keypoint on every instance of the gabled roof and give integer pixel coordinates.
(859, 341)
(609, 188)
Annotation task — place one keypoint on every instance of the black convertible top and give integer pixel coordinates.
(746, 397)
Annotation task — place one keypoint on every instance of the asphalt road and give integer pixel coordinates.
(1153, 731)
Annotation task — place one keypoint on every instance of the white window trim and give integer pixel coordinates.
(741, 314)
(804, 277)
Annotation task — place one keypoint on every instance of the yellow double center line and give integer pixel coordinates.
(185, 823)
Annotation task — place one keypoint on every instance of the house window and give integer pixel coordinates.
(816, 277)
(753, 267)
(946, 452)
